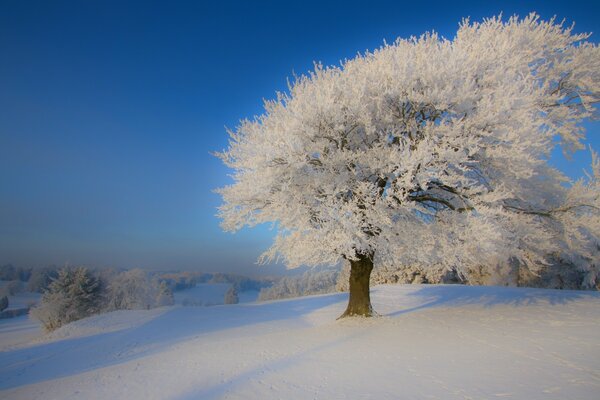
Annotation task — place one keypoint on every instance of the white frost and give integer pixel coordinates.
(428, 152)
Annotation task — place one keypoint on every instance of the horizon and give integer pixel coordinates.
(109, 113)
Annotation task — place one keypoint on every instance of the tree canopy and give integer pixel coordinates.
(428, 151)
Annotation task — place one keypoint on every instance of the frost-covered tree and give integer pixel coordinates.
(40, 279)
(309, 283)
(428, 151)
(231, 296)
(165, 295)
(10, 273)
(133, 290)
(74, 294)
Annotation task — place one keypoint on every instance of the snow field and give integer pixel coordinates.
(432, 342)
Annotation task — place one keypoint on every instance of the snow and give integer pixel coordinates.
(432, 342)
(202, 294)
(248, 296)
(23, 300)
(210, 294)
(18, 331)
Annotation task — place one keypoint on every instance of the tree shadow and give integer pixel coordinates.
(490, 296)
(59, 359)
(39, 363)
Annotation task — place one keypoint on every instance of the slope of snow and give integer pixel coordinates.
(18, 331)
(210, 294)
(248, 296)
(432, 342)
(23, 299)
(202, 294)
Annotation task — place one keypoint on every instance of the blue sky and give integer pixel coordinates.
(109, 112)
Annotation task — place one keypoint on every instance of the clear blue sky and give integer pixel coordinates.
(108, 112)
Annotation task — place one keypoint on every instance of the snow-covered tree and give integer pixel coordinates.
(429, 152)
(40, 279)
(309, 283)
(73, 295)
(133, 290)
(231, 296)
(165, 295)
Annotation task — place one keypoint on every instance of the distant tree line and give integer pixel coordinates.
(26, 279)
(188, 279)
(309, 283)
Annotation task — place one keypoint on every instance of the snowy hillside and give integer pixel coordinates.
(23, 299)
(433, 342)
(211, 294)
(202, 294)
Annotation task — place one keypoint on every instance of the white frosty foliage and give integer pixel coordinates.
(231, 296)
(73, 295)
(309, 283)
(428, 152)
(135, 290)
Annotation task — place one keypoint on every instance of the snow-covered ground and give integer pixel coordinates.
(17, 331)
(202, 294)
(23, 299)
(432, 342)
(210, 294)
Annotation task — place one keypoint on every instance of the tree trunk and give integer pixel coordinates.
(359, 303)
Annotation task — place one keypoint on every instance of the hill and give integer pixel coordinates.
(431, 342)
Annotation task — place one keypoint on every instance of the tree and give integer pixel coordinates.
(73, 295)
(133, 290)
(3, 303)
(231, 296)
(10, 273)
(40, 279)
(310, 282)
(165, 295)
(428, 152)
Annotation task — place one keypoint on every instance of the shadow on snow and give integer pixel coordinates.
(39, 363)
(489, 296)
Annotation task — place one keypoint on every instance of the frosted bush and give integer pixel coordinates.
(73, 295)
(135, 289)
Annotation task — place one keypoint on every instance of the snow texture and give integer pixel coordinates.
(203, 294)
(432, 342)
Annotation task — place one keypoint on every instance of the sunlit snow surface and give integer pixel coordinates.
(432, 342)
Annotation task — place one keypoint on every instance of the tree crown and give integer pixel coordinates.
(427, 150)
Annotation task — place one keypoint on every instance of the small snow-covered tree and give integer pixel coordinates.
(132, 290)
(231, 296)
(429, 152)
(165, 295)
(74, 294)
